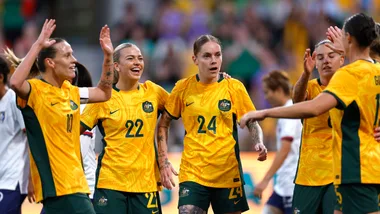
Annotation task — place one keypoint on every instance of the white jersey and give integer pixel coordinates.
(288, 129)
(87, 145)
(14, 159)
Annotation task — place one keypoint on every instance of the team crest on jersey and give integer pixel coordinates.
(224, 105)
(296, 211)
(2, 116)
(184, 192)
(147, 107)
(102, 201)
(73, 105)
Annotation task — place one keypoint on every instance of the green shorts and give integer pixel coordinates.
(314, 199)
(78, 203)
(223, 200)
(357, 198)
(117, 202)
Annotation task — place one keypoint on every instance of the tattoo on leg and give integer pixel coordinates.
(191, 209)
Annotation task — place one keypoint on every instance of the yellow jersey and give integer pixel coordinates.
(127, 122)
(315, 164)
(209, 113)
(356, 153)
(52, 119)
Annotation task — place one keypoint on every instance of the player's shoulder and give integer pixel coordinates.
(184, 83)
(314, 82)
(233, 84)
(149, 85)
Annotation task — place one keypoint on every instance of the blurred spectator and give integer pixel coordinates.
(28, 37)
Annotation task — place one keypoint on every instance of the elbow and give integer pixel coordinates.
(13, 84)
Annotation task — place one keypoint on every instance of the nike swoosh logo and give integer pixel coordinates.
(111, 112)
(187, 104)
(235, 202)
(53, 104)
(153, 212)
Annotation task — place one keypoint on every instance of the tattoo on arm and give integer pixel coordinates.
(256, 132)
(162, 138)
(299, 92)
(190, 209)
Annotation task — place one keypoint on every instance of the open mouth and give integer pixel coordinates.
(72, 68)
(213, 69)
(136, 70)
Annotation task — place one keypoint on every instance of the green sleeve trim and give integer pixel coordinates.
(85, 126)
(341, 105)
(175, 118)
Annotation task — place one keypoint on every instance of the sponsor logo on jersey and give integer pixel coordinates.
(224, 105)
(147, 107)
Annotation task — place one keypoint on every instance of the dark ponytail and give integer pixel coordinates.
(362, 27)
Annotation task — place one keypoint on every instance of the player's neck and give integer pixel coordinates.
(127, 85)
(325, 80)
(284, 100)
(359, 54)
(53, 80)
(208, 80)
(3, 90)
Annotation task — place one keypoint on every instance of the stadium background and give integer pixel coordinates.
(257, 36)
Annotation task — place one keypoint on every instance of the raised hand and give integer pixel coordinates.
(105, 40)
(44, 38)
(335, 35)
(308, 61)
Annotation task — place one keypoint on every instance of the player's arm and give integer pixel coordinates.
(18, 80)
(319, 105)
(103, 90)
(299, 92)
(276, 164)
(257, 137)
(166, 169)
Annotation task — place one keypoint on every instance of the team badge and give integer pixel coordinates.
(147, 107)
(184, 192)
(102, 201)
(73, 105)
(224, 105)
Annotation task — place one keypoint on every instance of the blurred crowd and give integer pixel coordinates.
(257, 35)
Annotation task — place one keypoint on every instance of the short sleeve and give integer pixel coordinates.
(289, 129)
(90, 115)
(173, 105)
(241, 100)
(343, 86)
(17, 113)
(22, 103)
(162, 97)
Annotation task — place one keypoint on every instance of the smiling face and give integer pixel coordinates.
(327, 61)
(130, 64)
(63, 64)
(209, 60)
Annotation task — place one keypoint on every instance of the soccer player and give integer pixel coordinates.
(14, 161)
(277, 90)
(314, 190)
(127, 178)
(352, 96)
(50, 107)
(210, 106)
